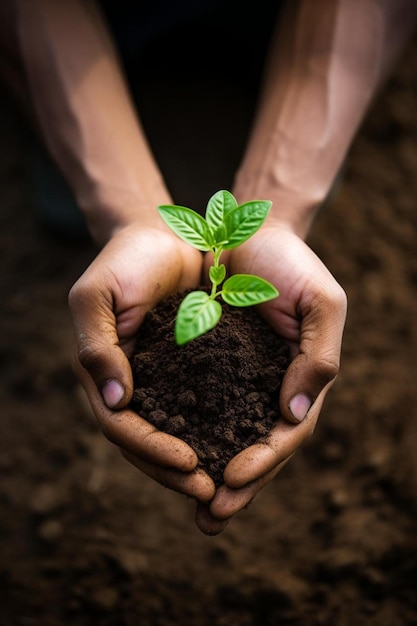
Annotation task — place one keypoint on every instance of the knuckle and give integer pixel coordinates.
(73, 294)
(330, 298)
(80, 292)
(90, 358)
(111, 429)
(333, 299)
(326, 370)
(337, 299)
(109, 435)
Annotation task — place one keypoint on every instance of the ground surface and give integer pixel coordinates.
(88, 540)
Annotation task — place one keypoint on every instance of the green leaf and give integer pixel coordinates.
(188, 225)
(247, 290)
(218, 206)
(219, 236)
(243, 221)
(217, 274)
(196, 315)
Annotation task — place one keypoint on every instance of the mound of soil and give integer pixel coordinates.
(220, 392)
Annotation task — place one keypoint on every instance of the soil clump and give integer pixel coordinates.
(219, 392)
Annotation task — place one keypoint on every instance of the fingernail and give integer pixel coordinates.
(112, 392)
(299, 406)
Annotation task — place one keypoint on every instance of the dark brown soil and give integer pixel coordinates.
(87, 540)
(220, 392)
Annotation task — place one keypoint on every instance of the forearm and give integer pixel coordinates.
(328, 59)
(85, 115)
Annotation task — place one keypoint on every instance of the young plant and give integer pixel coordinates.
(226, 225)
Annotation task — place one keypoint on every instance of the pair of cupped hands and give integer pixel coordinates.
(140, 266)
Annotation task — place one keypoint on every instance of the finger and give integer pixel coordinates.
(205, 521)
(129, 431)
(97, 343)
(317, 364)
(281, 443)
(227, 502)
(195, 484)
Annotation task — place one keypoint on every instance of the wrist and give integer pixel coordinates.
(108, 211)
(294, 209)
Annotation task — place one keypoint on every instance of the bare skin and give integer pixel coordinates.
(325, 67)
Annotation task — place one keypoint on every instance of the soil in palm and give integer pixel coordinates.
(220, 392)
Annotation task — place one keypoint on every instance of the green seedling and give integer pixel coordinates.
(226, 225)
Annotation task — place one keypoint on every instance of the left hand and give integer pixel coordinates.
(310, 314)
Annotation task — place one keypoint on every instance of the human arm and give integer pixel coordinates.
(81, 108)
(328, 61)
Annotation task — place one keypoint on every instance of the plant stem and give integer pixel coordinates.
(216, 258)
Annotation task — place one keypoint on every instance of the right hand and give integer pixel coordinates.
(135, 270)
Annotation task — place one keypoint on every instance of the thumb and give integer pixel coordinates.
(316, 366)
(97, 347)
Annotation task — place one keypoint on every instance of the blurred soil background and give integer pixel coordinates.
(88, 540)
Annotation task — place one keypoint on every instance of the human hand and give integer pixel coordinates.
(310, 314)
(137, 268)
